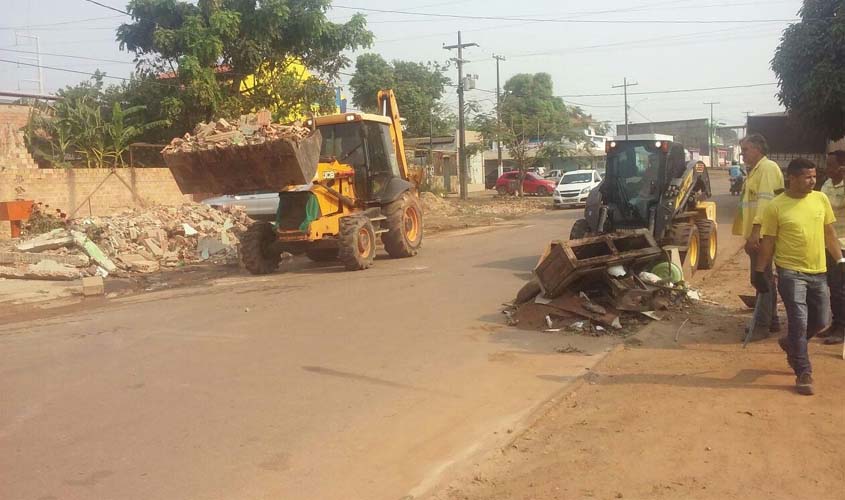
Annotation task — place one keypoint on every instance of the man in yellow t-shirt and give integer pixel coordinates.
(764, 182)
(834, 189)
(797, 227)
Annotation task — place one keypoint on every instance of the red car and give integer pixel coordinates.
(532, 184)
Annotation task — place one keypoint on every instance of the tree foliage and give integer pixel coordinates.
(88, 123)
(810, 66)
(536, 126)
(199, 60)
(418, 87)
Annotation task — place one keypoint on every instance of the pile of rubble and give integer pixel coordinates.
(140, 241)
(601, 285)
(251, 129)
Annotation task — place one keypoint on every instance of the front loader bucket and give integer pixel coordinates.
(270, 166)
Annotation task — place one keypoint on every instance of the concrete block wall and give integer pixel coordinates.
(67, 189)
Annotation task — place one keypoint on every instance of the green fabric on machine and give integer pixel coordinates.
(312, 212)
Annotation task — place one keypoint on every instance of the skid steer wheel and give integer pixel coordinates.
(709, 243)
(321, 254)
(404, 227)
(357, 243)
(579, 230)
(257, 252)
(684, 234)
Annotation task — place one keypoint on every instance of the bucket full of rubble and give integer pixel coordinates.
(252, 155)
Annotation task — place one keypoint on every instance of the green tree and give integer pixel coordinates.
(210, 48)
(536, 126)
(810, 67)
(418, 87)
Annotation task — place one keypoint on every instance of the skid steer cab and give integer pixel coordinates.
(651, 183)
(360, 192)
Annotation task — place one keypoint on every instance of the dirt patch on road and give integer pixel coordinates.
(700, 418)
(445, 214)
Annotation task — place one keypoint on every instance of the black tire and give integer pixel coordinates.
(257, 252)
(542, 191)
(357, 243)
(685, 235)
(321, 254)
(709, 239)
(502, 191)
(405, 227)
(579, 230)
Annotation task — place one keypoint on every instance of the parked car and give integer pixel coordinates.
(531, 184)
(554, 175)
(574, 187)
(260, 205)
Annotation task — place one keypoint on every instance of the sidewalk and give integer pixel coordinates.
(697, 419)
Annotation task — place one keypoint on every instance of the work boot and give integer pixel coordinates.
(804, 384)
(760, 332)
(833, 331)
(834, 339)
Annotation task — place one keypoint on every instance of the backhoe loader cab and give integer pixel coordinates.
(361, 190)
(651, 183)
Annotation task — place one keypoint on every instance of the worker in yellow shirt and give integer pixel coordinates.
(797, 227)
(834, 189)
(764, 182)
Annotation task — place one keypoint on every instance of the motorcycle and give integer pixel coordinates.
(736, 185)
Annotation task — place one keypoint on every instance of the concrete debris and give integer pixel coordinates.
(93, 286)
(89, 247)
(56, 238)
(34, 258)
(251, 129)
(44, 270)
(137, 263)
(140, 241)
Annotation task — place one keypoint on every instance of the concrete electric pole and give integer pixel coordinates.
(714, 156)
(462, 158)
(625, 86)
(499, 117)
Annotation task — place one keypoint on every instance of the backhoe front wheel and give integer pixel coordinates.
(404, 226)
(357, 243)
(257, 249)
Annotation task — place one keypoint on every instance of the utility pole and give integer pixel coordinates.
(714, 157)
(462, 157)
(499, 117)
(37, 59)
(625, 86)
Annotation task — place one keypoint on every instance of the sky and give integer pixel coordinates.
(587, 47)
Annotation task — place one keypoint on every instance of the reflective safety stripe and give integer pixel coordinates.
(765, 196)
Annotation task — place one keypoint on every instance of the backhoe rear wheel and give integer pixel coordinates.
(357, 243)
(405, 227)
(257, 253)
(709, 243)
(685, 234)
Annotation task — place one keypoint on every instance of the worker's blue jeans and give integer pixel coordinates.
(807, 301)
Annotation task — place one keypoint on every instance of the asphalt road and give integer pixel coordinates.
(310, 384)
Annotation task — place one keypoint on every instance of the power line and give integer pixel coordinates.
(109, 7)
(570, 20)
(76, 21)
(675, 91)
(69, 56)
(671, 91)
